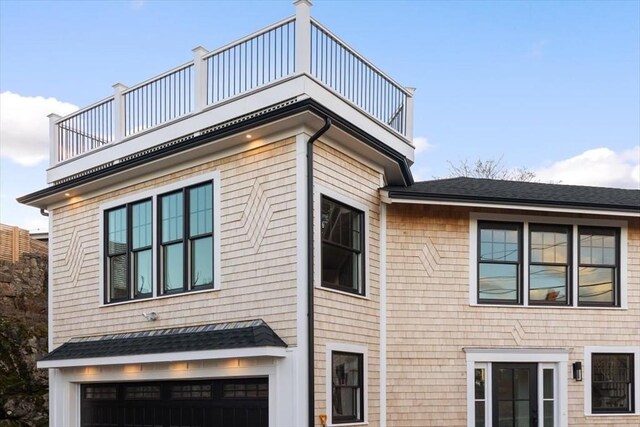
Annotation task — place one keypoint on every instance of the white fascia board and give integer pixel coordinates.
(384, 195)
(232, 353)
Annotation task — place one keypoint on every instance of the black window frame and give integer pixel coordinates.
(360, 288)
(631, 385)
(129, 253)
(347, 419)
(533, 227)
(500, 225)
(616, 273)
(186, 241)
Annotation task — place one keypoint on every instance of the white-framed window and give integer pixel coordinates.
(162, 241)
(505, 385)
(546, 261)
(341, 257)
(347, 381)
(611, 380)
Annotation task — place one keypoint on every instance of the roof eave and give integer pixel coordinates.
(506, 203)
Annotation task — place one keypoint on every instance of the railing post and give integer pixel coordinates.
(303, 36)
(54, 140)
(409, 113)
(199, 79)
(118, 112)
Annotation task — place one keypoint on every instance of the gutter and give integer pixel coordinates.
(310, 326)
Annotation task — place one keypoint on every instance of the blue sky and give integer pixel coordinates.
(551, 86)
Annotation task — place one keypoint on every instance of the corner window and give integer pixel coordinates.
(161, 244)
(342, 230)
(347, 396)
(499, 262)
(612, 383)
(128, 251)
(546, 263)
(186, 246)
(598, 266)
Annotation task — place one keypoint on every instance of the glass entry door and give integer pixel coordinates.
(515, 394)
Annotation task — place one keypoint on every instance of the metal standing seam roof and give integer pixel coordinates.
(481, 190)
(254, 333)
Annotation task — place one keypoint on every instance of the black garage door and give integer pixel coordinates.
(210, 403)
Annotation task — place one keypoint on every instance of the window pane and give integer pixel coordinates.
(505, 413)
(523, 413)
(142, 272)
(612, 385)
(505, 384)
(173, 258)
(498, 282)
(341, 225)
(549, 246)
(118, 277)
(202, 261)
(479, 407)
(548, 384)
(499, 244)
(596, 285)
(479, 383)
(141, 225)
(201, 210)
(172, 219)
(521, 382)
(597, 246)
(340, 267)
(548, 413)
(548, 283)
(117, 224)
(346, 390)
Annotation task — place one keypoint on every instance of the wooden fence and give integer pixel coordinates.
(15, 241)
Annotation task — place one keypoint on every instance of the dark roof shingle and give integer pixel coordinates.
(255, 333)
(480, 190)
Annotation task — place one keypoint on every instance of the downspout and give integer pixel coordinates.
(311, 349)
(43, 212)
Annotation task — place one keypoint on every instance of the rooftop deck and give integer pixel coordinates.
(294, 47)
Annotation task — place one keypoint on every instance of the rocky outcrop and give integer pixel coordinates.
(23, 340)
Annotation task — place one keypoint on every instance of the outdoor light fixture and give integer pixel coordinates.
(323, 420)
(150, 315)
(577, 371)
(248, 136)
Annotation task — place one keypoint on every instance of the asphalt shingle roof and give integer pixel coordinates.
(520, 193)
(255, 333)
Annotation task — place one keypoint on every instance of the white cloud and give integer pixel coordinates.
(421, 144)
(137, 4)
(600, 167)
(24, 126)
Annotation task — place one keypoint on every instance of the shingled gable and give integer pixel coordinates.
(490, 191)
(221, 336)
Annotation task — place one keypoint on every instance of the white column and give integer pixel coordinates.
(409, 112)
(54, 141)
(118, 112)
(199, 78)
(303, 36)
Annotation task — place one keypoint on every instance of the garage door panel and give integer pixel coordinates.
(208, 403)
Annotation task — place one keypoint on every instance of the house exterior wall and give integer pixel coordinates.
(258, 252)
(430, 319)
(341, 318)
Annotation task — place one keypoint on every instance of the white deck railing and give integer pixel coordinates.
(296, 45)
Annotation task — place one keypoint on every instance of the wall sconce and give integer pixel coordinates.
(577, 371)
(323, 420)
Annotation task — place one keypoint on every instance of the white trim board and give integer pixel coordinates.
(232, 353)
